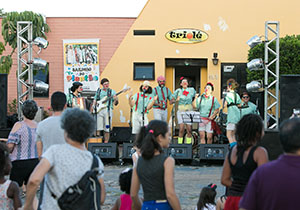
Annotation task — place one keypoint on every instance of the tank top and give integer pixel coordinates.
(151, 176)
(5, 202)
(241, 172)
(125, 202)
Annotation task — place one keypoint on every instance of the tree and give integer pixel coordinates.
(9, 33)
(289, 57)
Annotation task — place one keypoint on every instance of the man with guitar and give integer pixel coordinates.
(163, 95)
(103, 104)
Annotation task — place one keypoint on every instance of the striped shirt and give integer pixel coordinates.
(24, 140)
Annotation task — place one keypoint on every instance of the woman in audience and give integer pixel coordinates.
(154, 170)
(243, 158)
(65, 164)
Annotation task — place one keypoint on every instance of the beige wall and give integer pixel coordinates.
(231, 22)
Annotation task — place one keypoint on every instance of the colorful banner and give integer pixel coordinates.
(186, 36)
(81, 63)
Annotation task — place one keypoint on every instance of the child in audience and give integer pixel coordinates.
(9, 190)
(207, 198)
(221, 202)
(124, 201)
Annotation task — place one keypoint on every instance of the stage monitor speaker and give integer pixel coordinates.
(272, 144)
(213, 151)
(104, 150)
(121, 134)
(127, 150)
(179, 151)
(289, 95)
(3, 100)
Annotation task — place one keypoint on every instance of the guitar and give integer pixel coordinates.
(103, 103)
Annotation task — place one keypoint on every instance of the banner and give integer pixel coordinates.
(81, 63)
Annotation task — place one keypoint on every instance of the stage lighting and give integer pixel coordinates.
(41, 42)
(39, 63)
(255, 40)
(40, 86)
(255, 86)
(255, 64)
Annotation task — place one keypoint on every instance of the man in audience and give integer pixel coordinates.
(276, 185)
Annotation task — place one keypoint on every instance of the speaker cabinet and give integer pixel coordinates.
(180, 151)
(121, 134)
(127, 151)
(104, 150)
(289, 95)
(213, 151)
(271, 143)
(3, 100)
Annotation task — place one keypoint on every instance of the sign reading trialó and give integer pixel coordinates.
(81, 63)
(186, 36)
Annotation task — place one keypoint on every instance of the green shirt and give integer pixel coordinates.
(138, 105)
(234, 114)
(163, 95)
(251, 109)
(206, 105)
(103, 93)
(186, 95)
(73, 103)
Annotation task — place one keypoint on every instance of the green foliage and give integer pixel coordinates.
(9, 32)
(289, 57)
(12, 107)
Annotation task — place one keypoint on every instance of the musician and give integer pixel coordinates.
(163, 95)
(74, 98)
(140, 104)
(233, 102)
(184, 96)
(208, 106)
(247, 106)
(104, 116)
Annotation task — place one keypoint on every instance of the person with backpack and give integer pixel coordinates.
(66, 165)
(208, 106)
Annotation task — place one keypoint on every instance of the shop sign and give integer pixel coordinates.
(186, 36)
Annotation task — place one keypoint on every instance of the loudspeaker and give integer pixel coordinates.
(127, 150)
(3, 100)
(121, 134)
(179, 151)
(213, 151)
(289, 95)
(104, 150)
(272, 144)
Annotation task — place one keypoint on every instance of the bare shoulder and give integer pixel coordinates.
(261, 151)
(12, 189)
(169, 161)
(16, 127)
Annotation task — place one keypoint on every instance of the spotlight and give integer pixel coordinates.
(41, 42)
(40, 86)
(255, 40)
(255, 64)
(255, 86)
(215, 59)
(39, 63)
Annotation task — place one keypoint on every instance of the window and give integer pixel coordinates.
(143, 71)
(42, 75)
(144, 32)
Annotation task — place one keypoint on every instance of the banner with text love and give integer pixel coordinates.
(81, 63)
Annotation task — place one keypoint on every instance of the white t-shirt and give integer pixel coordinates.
(209, 207)
(68, 165)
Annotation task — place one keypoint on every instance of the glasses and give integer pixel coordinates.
(245, 96)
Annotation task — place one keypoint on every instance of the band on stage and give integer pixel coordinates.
(189, 108)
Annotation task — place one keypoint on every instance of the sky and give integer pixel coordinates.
(77, 8)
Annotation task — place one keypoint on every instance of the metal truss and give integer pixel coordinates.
(25, 67)
(271, 75)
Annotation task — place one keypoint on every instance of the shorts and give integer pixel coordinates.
(160, 114)
(181, 116)
(205, 126)
(232, 203)
(22, 169)
(102, 120)
(137, 122)
(156, 205)
(230, 127)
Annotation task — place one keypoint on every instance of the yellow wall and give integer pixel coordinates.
(231, 23)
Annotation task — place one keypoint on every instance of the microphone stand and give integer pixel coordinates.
(143, 112)
(109, 116)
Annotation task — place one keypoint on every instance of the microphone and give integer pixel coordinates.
(144, 90)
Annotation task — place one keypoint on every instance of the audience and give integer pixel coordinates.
(243, 158)
(154, 171)
(276, 185)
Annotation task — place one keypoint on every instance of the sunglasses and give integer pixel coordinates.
(245, 97)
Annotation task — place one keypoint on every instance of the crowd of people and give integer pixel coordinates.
(47, 155)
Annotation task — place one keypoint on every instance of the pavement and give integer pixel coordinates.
(189, 181)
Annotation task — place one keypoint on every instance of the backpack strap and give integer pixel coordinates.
(98, 94)
(95, 164)
(137, 101)
(212, 105)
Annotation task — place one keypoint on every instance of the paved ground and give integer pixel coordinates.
(188, 182)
